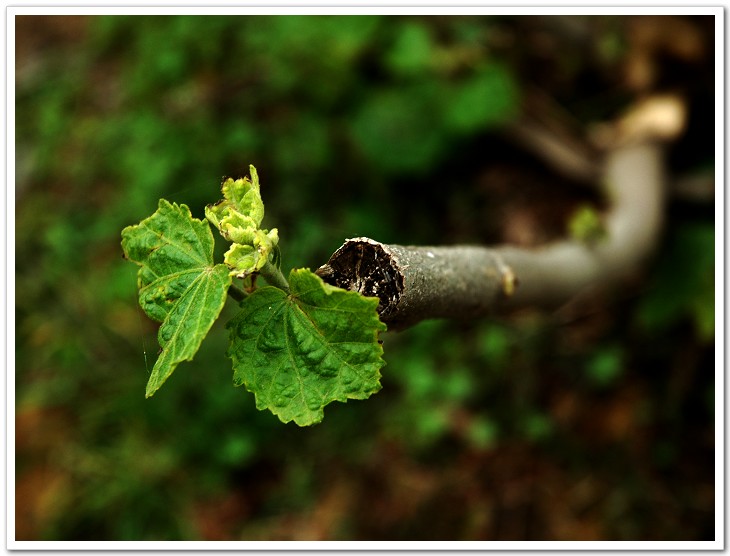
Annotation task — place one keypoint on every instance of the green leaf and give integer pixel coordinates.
(172, 248)
(241, 211)
(299, 352)
(189, 322)
(179, 284)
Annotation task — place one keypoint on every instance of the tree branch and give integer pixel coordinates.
(415, 283)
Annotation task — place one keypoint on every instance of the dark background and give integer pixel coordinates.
(520, 427)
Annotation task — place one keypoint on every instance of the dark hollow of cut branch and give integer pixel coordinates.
(416, 283)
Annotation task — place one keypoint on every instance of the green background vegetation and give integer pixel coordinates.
(594, 425)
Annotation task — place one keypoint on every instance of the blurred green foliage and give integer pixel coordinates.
(351, 122)
(685, 283)
(585, 225)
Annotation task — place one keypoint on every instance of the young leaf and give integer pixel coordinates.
(238, 218)
(178, 282)
(246, 259)
(301, 351)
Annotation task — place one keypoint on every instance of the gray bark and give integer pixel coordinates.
(415, 283)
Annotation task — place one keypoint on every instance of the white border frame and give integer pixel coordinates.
(465, 7)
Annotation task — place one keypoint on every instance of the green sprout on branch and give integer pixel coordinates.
(296, 344)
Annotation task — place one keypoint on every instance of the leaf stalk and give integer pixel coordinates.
(237, 293)
(274, 276)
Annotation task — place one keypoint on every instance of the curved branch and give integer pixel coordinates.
(553, 274)
(415, 283)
